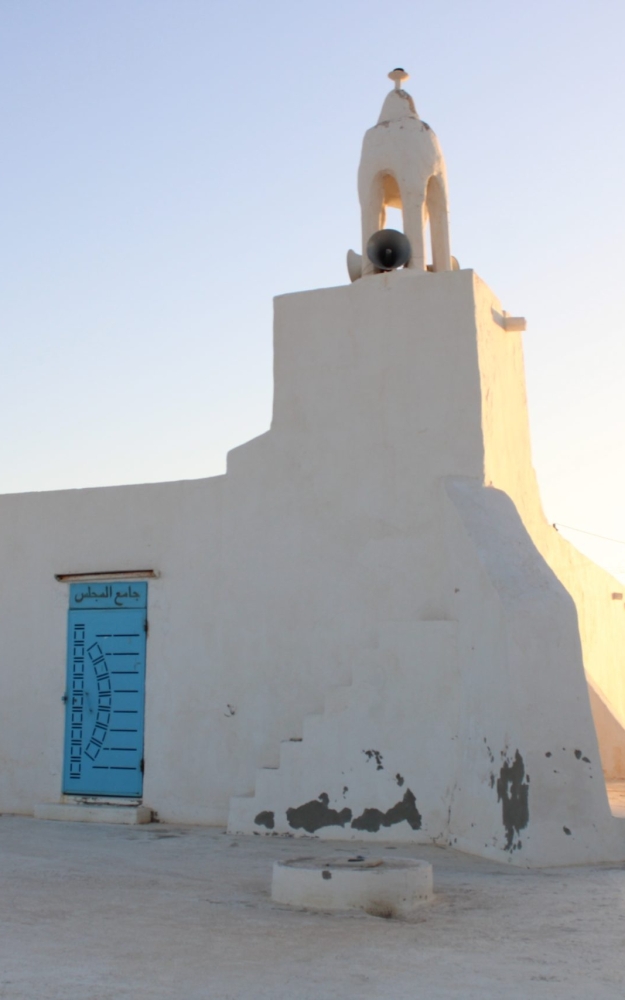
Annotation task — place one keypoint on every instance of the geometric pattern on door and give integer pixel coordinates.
(105, 694)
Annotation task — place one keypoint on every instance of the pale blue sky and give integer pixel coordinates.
(170, 165)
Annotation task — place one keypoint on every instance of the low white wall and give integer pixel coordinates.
(173, 528)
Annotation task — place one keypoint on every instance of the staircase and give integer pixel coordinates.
(363, 768)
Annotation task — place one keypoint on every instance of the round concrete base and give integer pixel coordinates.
(384, 887)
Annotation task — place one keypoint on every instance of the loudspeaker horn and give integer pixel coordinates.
(388, 249)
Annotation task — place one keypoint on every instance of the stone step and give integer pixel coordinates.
(267, 781)
(93, 812)
(243, 809)
(290, 755)
(337, 699)
(313, 725)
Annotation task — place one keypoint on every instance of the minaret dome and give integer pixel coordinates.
(402, 166)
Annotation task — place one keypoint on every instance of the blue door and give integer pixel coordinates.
(105, 689)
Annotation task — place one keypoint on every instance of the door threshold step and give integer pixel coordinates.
(93, 813)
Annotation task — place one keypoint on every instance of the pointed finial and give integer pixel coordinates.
(398, 75)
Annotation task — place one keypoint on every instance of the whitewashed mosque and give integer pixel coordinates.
(366, 629)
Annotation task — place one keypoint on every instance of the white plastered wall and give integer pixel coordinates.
(173, 528)
(343, 548)
(420, 422)
(508, 466)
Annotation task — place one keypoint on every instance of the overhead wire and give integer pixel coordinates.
(557, 525)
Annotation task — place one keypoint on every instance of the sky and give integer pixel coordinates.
(168, 166)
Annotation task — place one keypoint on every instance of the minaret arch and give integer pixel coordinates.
(402, 166)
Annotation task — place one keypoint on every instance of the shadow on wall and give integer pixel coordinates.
(533, 595)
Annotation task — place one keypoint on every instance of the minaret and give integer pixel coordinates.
(413, 581)
(402, 166)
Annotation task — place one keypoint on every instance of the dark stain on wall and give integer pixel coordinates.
(491, 757)
(265, 818)
(372, 819)
(376, 756)
(512, 792)
(315, 814)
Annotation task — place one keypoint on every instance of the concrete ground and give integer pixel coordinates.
(93, 912)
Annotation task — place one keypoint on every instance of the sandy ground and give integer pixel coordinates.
(104, 913)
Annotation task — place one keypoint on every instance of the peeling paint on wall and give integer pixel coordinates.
(315, 814)
(513, 792)
(376, 756)
(372, 819)
(265, 818)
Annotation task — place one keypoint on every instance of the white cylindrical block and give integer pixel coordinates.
(385, 887)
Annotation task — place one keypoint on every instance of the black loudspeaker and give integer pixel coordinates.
(388, 249)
